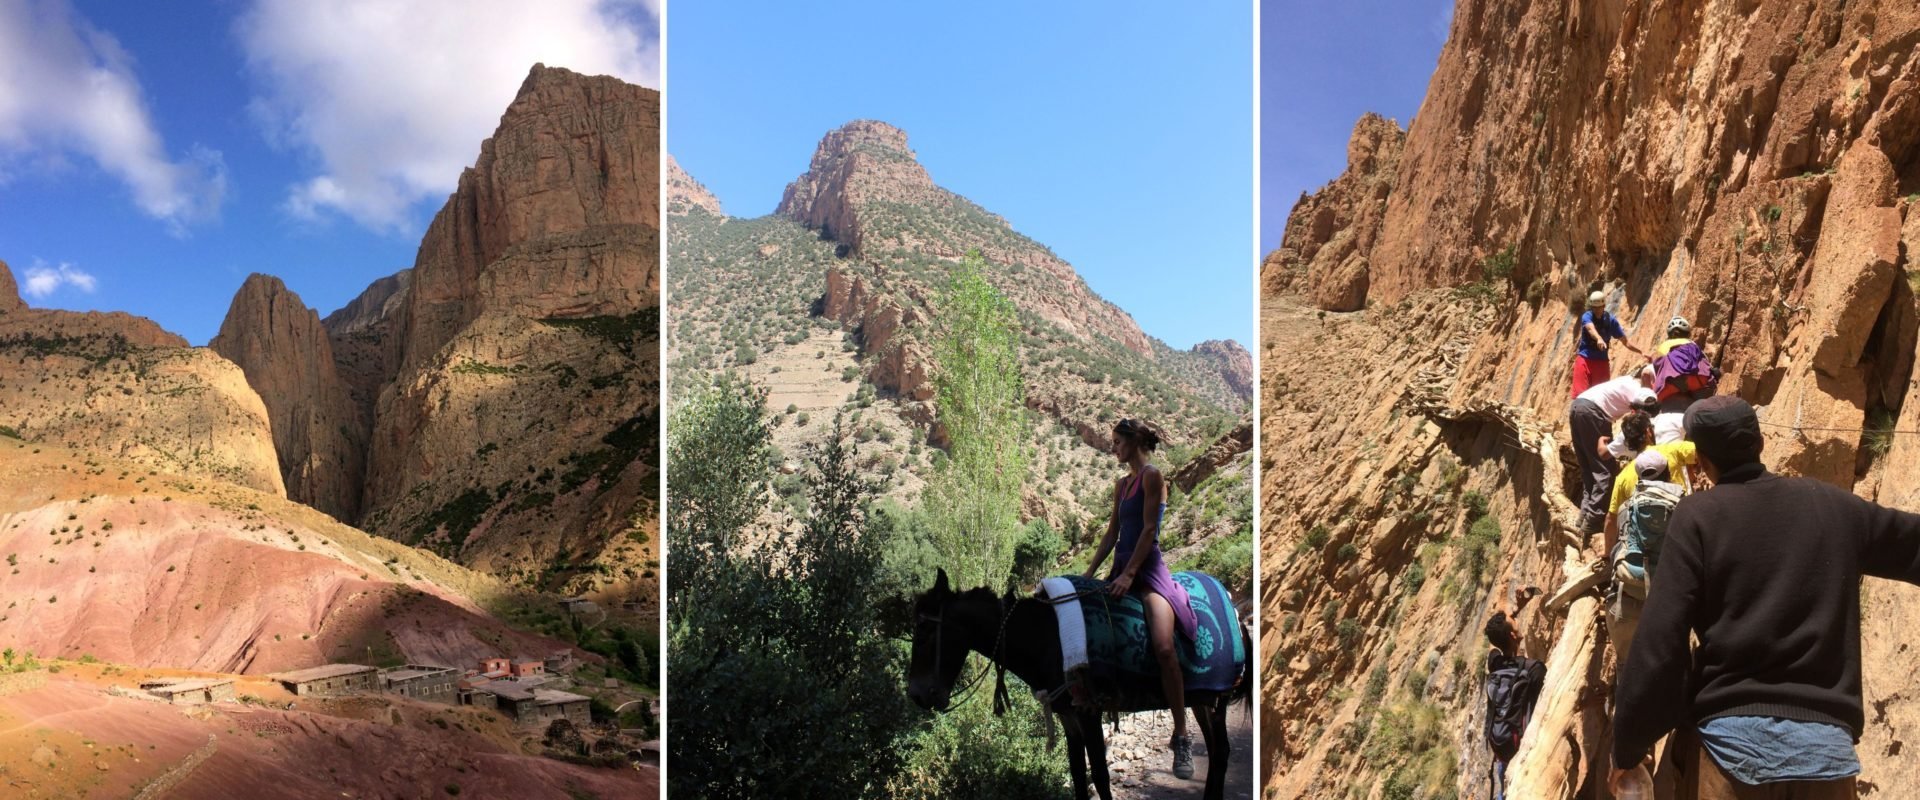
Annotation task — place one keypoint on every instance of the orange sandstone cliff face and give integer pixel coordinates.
(318, 433)
(496, 402)
(1752, 166)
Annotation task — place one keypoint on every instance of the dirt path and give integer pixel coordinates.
(1141, 765)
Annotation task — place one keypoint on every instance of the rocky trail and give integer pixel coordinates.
(1140, 764)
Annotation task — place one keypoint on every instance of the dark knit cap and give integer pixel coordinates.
(1725, 429)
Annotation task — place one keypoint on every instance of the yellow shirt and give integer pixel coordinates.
(1679, 455)
(1667, 345)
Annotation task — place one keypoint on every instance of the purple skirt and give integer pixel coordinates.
(1154, 577)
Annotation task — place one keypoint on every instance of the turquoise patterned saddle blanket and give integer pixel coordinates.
(1118, 652)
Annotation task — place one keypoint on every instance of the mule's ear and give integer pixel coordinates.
(940, 582)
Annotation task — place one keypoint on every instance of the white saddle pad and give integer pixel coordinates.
(1073, 625)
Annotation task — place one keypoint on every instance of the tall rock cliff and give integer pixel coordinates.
(318, 433)
(502, 393)
(1753, 166)
(9, 293)
(119, 385)
(865, 189)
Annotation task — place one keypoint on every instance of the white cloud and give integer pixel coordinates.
(1441, 23)
(391, 98)
(43, 280)
(67, 87)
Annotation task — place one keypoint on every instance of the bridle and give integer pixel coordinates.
(1000, 701)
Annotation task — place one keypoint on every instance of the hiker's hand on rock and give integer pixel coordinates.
(1121, 583)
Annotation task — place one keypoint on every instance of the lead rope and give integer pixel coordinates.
(1001, 702)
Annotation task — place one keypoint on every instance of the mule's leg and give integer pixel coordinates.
(1097, 752)
(1076, 753)
(1203, 717)
(1219, 747)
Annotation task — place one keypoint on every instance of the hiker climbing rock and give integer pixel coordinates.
(1512, 688)
(1765, 570)
(1598, 330)
(1681, 369)
(1676, 459)
(1139, 503)
(1591, 421)
(1635, 529)
(1636, 434)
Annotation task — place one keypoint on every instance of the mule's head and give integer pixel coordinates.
(939, 646)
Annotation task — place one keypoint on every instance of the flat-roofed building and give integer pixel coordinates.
(421, 682)
(536, 706)
(329, 679)
(190, 691)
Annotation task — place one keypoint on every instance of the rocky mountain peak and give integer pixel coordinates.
(9, 293)
(1375, 142)
(685, 194)
(857, 135)
(284, 350)
(855, 166)
(1233, 361)
(1331, 233)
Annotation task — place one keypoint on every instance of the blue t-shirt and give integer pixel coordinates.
(1757, 750)
(1609, 327)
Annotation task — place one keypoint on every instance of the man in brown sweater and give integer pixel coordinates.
(1766, 571)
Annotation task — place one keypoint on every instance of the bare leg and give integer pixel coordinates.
(1160, 634)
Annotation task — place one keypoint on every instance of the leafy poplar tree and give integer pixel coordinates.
(980, 402)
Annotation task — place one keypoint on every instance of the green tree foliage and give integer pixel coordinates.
(720, 452)
(1036, 553)
(776, 644)
(974, 498)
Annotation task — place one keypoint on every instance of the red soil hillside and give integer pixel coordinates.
(82, 733)
(108, 560)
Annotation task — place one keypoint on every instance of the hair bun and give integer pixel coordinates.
(1143, 433)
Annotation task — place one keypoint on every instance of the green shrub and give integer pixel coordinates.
(1036, 552)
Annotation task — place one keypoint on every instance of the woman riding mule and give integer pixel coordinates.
(1139, 502)
(1021, 635)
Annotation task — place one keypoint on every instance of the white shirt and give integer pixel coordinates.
(1669, 427)
(1615, 397)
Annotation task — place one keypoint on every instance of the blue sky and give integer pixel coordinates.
(304, 140)
(1322, 65)
(1120, 136)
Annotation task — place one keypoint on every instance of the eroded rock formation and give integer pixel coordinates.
(1751, 166)
(495, 402)
(1330, 234)
(318, 433)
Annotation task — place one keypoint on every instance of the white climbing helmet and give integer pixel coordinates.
(1679, 326)
(1597, 300)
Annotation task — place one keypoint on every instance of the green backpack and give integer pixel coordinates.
(1643, 525)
